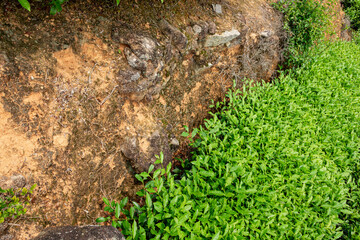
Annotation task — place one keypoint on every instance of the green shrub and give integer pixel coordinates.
(13, 202)
(352, 9)
(305, 22)
(277, 161)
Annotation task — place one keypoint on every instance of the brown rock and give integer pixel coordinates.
(81, 233)
(142, 45)
(141, 157)
(178, 38)
(212, 28)
(7, 237)
(3, 227)
(16, 181)
(134, 61)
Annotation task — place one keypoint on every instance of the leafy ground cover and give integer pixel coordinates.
(305, 23)
(277, 161)
(13, 202)
(352, 9)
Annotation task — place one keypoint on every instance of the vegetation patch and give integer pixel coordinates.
(352, 10)
(277, 161)
(305, 22)
(13, 202)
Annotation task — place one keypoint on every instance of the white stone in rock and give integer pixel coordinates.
(217, 8)
(197, 29)
(216, 40)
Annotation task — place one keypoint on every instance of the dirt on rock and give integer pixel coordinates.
(89, 96)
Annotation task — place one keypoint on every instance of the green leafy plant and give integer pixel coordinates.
(139, 222)
(56, 6)
(13, 202)
(352, 9)
(305, 22)
(276, 161)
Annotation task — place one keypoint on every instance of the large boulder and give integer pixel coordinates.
(80, 233)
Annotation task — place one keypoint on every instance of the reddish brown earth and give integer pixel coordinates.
(72, 121)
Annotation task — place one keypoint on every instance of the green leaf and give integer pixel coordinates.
(134, 229)
(194, 132)
(126, 227)
(184, 134)
(100, 220)
(108, 209)
(151, 168)
(123, 202)
(32, 188)
(148, 200)
(168, 168)
(117, 210)
(157, 173)
(158, 161)
(161, 157)
(251, 191)
(132, 212)
(145, 174)
(117, 2)
(25, 4)
(216, 193)
(151, 190)
(216, 236)
(158, 206)
(114, 223)
(138, 177)
(140, 193)
(207, 173)
(345, 211)
(136, 205)
(106, 201)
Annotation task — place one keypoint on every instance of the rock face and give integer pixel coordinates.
(178, 38)
(16, 182)
(140, 79)
(139, 159)
(81, 233)
(346, 32)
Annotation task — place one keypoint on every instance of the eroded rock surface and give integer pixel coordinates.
(141, 78)
(81, 233)
(15, 182)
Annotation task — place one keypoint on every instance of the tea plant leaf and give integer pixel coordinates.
(117, 210)
(148, 200)
(106, 201)
(100, 220)
(134, 229)
(25, 4)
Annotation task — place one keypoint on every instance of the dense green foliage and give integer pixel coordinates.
(13, 202)
(305, 22)
(277, 161)
(352, 9)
